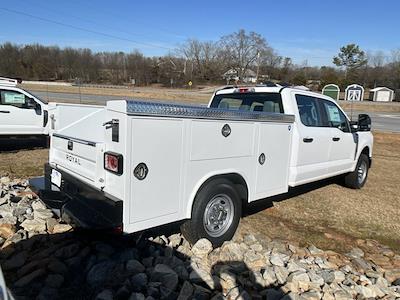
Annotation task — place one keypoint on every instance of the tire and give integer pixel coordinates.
(358, 177)
(218, 200)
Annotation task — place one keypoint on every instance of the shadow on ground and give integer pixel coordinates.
(82, 265)
(16, 144)
(259, 205)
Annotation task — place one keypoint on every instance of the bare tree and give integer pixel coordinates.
(242, 50)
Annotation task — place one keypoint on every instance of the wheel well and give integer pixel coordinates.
(238, 182)
(366, 152)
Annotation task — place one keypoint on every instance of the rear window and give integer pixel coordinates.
(267, 102)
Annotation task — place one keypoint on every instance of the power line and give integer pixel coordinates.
(101, 24)
(85, 29)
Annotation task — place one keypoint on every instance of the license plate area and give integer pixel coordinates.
(56, 178)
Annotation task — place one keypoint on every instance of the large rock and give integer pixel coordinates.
(164, 274)
(202, 248)
(27, 279)
(277, 260)
(54, 280)
(139, 281)
(35, 225)
(270, 276)
(134, 266)
(231, 251)
(38, 204)
(6, 210)
(105, 295)
(300, 280)
(254, 260)
(42, 214)
(7, 230)
(100, 273)
(186, 291)
(392, 275)
(8, 220)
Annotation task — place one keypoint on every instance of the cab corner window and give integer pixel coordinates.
(309, 112)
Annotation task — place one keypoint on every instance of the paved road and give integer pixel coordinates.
(380, 121)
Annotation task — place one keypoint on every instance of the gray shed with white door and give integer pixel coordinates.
(381, 94)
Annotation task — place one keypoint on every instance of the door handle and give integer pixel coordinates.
(308, 140)
(4, 111)
(335, 139)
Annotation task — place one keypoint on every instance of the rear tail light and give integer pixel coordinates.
(113, 162)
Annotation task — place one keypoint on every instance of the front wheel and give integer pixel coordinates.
(215, 215)
(358, 177)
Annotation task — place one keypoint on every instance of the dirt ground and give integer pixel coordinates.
(325, 214)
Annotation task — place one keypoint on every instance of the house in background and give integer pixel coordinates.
(232, 75)
(381, 94)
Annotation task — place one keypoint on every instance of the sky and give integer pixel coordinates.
(310, 32)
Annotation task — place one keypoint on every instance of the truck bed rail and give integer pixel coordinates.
(140, 108)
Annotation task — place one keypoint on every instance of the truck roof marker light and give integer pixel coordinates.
(244, 90)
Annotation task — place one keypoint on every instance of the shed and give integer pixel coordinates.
(331, 90)
(381, 94)
(354, 92)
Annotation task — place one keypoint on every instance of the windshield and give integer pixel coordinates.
(266, 102)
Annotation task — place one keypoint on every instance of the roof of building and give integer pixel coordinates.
(380, 88)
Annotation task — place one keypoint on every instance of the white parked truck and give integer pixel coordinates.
(21, 113)
(137, 165)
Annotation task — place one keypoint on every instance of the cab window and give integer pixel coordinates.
(266, 102)
(309, 111)
(334, 116)
(14, 98)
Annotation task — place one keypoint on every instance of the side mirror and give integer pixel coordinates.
(32, 104)
(364, 122)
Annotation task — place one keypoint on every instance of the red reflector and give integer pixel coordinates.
(113, 162)
(241, 90)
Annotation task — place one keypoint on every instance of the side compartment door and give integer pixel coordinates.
(19, 114)
(344, 144)
(314, 140)
(157, 148)
(273, 159)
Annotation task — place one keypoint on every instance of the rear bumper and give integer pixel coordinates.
(77, 203)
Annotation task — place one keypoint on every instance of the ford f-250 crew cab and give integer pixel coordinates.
(142, 164)
(21, 113)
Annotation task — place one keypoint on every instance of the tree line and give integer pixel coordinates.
(237, 57)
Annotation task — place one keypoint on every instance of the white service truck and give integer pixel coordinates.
(22, 114)
(136, 165)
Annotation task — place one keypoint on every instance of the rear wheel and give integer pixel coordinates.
(358, 177)
(216, 213)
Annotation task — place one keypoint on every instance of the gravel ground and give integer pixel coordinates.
(43, 258)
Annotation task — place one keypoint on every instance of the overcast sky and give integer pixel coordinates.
(311, 31)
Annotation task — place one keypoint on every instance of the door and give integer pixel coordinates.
(19, 114)
(313, 140)
(343, 141)
(157, 152)
(272, 156)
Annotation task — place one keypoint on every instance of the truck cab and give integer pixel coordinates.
(325, 141)
(21, 113)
